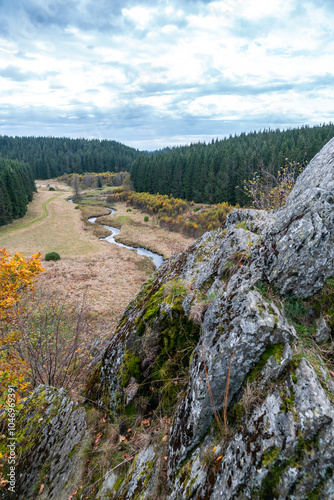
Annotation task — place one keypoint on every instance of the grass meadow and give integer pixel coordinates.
(108, 275)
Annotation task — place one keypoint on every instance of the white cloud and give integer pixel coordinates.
(179, 62)
(141, 17)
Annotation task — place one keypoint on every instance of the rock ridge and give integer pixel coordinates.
(213, 347)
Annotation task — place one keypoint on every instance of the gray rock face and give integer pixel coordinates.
(51, 428)
(285, 450)
(236, 329)
(280, 443)
(138, 481)
(323, 330)
(258, 221)
(302, 238)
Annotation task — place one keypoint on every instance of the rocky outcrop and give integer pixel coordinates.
(50, 430)
(210, 345)
(302, 238)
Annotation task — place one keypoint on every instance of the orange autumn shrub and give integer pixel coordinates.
(17, 275)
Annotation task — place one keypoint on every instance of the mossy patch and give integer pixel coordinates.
(275, 350)
(277, 466)
(238, 413)
(177, 337)
(242, 225)
(270, 456)
(119, 482)
(130, 368)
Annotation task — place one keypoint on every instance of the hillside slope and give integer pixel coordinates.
(229, 344)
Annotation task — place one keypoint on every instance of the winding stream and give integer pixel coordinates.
(156, 258)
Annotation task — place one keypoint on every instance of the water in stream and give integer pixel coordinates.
(157, 259)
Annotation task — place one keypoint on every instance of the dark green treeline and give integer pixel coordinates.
(51, 156)
(210, 173)
(16, 189)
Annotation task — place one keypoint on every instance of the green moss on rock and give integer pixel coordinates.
(270, 456)
(275, 350)
(130, 368)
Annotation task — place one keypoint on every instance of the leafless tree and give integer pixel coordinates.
(75, 184)
(56, 339)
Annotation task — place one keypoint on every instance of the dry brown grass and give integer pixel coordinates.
(61, 231)
(110, 276)
(110, 281)
(146, 234)
(88, 211)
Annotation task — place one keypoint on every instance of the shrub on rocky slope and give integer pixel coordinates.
(226, 349)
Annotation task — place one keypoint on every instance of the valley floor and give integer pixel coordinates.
(108, 275)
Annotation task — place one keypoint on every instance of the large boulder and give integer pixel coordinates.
(218, 286)
(299, 248)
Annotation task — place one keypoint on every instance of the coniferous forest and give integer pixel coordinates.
(51, 156)
(214, 172)
(16, 189)
(203, 173)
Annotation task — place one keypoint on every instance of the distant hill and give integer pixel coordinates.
(204, 173)
(211, 172)
(51, 156)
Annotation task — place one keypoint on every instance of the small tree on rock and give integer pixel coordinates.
(269, 191)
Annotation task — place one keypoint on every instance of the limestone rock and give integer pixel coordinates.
(236, 329)
(302, 239)
(292, 432)
(323, 330)
(51, 429)
(257, 221)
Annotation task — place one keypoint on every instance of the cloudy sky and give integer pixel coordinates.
(154, 73)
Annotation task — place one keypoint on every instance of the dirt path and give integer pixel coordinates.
(51, 224)
(110, 276)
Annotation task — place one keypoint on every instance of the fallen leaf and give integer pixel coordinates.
(73, 494)
(165, 438)
(166, 458)
(41, 489)
(332, 373)
(214, 449)
(97, 439)
(219, 458)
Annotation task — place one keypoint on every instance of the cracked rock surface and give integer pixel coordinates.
(50, 428)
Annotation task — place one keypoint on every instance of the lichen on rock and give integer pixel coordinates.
(50, 429)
